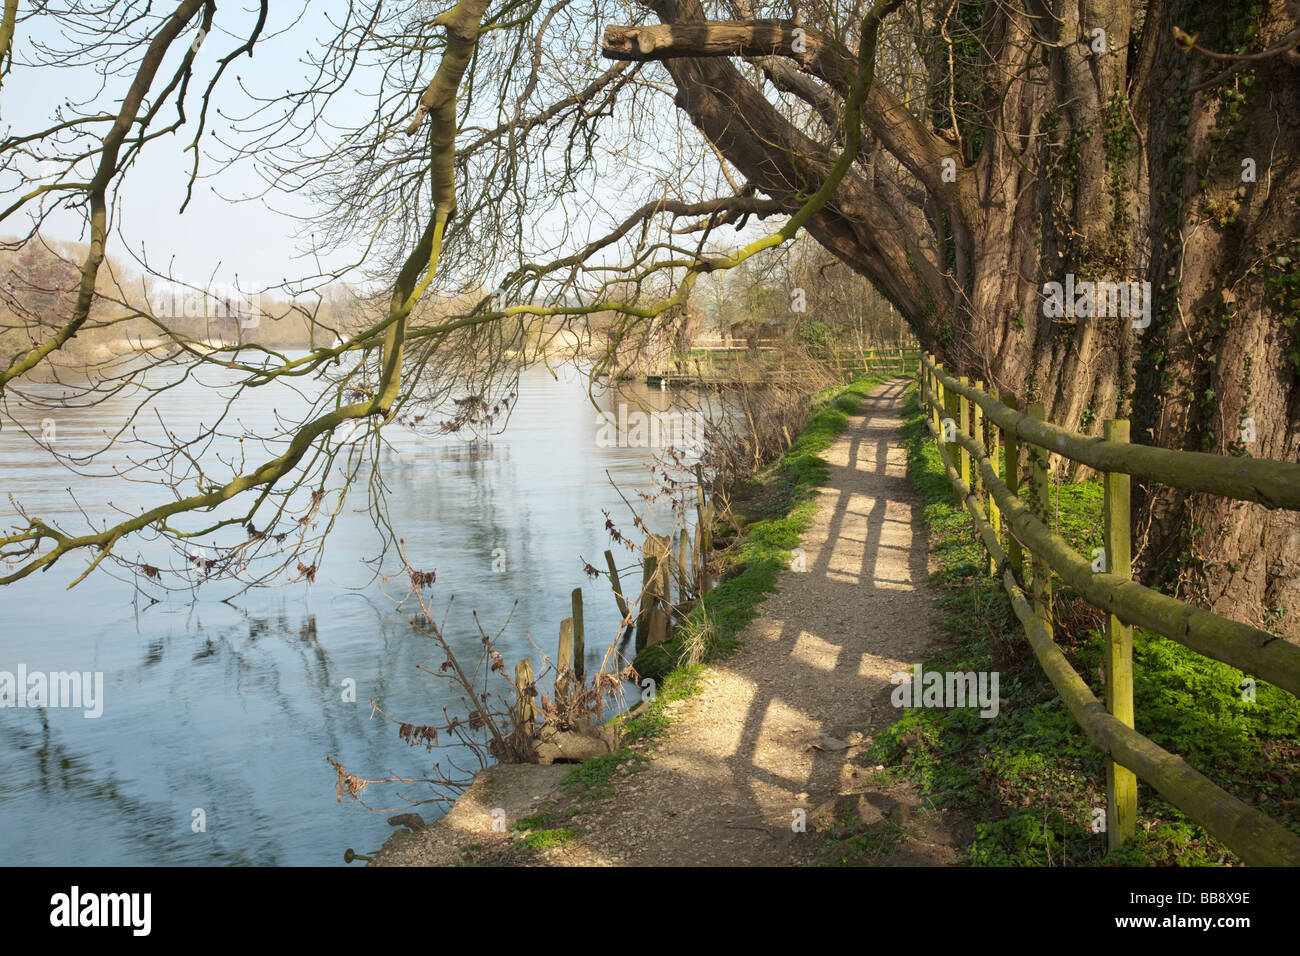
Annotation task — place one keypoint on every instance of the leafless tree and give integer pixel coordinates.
(958, 155)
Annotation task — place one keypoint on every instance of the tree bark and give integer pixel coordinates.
(1085, 146)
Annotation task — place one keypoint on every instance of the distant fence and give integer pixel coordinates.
(714, 366)
(980, 438)
(904, 361)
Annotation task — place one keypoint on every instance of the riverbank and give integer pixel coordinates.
(757, 757)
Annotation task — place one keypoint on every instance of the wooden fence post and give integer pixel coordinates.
(977, 432)
(579, 637)
(947, 400)
(1015, 557)
(963, 428)
(937, 404)
(941, 400)
(995, 458)
(1040, 504)
(980, 429)
(927, 383)
(1121, 783)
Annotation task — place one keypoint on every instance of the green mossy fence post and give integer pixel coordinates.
(1121, 783)
(963, 428)
(947, 404)
(931, 384)
(936, 401)
(940, 401)
(994, 447)
(978, 433)
(579, 637)
(1040, 504)
(1015, 556)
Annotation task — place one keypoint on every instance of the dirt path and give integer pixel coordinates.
(780, 725)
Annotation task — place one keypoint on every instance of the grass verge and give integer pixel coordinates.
(1029, 775)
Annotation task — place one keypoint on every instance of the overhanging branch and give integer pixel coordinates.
(823, 57)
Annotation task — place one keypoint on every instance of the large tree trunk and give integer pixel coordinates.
(1218, 367)
(1078, 146)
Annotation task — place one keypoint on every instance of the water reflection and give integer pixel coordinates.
(231, 708)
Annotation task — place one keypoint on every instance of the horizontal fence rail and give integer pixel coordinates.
(1273, 484)
(958, 414)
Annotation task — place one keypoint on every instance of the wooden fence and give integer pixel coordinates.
(980, 440)
(892, 360)
(718, 367)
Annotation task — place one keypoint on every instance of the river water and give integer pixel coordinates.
(218, 717)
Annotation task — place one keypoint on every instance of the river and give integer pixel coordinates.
(217, 717)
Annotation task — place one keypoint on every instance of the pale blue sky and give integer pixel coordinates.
(253, 239)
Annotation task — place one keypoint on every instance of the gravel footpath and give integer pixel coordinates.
(780, 724)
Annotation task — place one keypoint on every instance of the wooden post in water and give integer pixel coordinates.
(564, 659)
(579, 637)
(525, 709)
(648, 566)
(1040, 503)
(683, 566)
(704, 515)
(701, 572)
(658, 626)
(659, 594)
(1121, 783)
(616, 584)
(653, 571)
(1015, 557)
